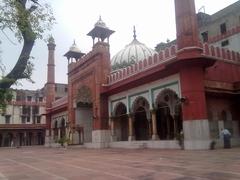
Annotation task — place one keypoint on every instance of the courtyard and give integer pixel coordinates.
(74, 163)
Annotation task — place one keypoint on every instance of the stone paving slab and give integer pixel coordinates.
(40, 163)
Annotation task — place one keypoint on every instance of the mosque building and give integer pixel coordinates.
(144, 98)
(178, 96)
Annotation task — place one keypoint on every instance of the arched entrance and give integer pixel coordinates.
(29, 138)
(121, 122)
(21, 139)
(141, 119)
(40, 138)
(8, 139)
(168, 115)
(84, 116)
(1, 140)
(63, 128)
(55, 130)
(141, 124)
(164, 122)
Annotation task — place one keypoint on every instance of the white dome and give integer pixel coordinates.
(74, 48)
(100, 23)
(132, 53)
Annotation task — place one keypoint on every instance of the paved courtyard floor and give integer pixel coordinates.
(39, 163)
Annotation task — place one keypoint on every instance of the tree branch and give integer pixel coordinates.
(22, 2)
(32, 8)
(28, 23)
(29, 39)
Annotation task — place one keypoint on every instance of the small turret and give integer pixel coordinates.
(100, 31)
(73, 53)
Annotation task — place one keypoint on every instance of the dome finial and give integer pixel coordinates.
(100, 22)
(134, 33)
(51, 40)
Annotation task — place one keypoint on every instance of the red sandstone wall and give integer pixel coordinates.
(216, 104)
(224, 72)
(91, 71)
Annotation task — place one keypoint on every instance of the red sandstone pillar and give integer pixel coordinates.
(71, 104)
(195, 123)
(100, 107)
(192, 88)
(50, 86)
(187, 30)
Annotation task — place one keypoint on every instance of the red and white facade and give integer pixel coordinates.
(191, 87)
(23, 122)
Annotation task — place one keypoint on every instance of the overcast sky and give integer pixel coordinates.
(154, 21)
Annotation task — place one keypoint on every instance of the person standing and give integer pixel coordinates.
(226, 138)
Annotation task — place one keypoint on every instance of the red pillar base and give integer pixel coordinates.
(195, 122)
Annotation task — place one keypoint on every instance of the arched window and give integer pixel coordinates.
(120, 109)
(120, 122)
(84, 97)
(168, 114)
(141, 118)
(140, 102)
(63, 122)
(213, 125)
(56, 124)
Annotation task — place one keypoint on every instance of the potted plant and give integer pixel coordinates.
(212, 145)
(64, 141)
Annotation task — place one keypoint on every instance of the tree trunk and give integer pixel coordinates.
(19, 68)
(18, 72)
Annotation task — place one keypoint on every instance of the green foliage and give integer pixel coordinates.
(2, 67)
(5, 94)
(29, 21)
(51, 40)
(28, 71)
(63, 140)
(163, 45)
(17, 17)
(5, 97)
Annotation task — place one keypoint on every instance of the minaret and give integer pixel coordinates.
(187, 28)
(50, 87)
(191, 71)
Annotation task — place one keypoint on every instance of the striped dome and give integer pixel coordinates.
(132, 53)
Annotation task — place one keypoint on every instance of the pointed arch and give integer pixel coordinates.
(169, 97)
(168, 114)
(141, 124)
(63, 128)
(85, 113)
(120, 122)
(56, 124)
(1, 139)
(119, 109)
(140, 101)
(84, 96)
(63, 123)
